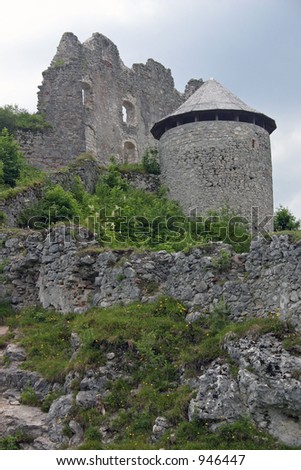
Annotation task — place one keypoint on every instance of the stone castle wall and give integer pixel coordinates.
(225, 164)
(96, 104)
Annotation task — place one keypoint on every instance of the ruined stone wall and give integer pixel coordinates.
(95, 103)
(72, 274)
(225, 164)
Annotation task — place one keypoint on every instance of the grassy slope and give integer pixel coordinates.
(152, 343)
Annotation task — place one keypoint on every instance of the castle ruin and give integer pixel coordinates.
(96, 104)
(214, 149)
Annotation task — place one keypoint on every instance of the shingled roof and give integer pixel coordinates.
(212, 96)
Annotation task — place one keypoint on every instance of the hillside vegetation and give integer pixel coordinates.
(121, 216)
(155, 354)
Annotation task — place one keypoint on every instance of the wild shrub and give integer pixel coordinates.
(150, 161)
(11, 159)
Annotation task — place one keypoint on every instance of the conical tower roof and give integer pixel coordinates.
(210, 96)
(213, 97)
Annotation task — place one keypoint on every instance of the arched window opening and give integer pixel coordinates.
(130, 154)
(128, 113)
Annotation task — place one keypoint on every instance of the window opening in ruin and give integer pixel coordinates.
(130, 154)
(124, 114)
(253, 143)
(83, 96)
(128, 113)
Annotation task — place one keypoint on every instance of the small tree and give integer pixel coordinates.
(11, 158)
(285, 220)
(150, 161)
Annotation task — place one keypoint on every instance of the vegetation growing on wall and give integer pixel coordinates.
(150, 161)
(14, 118)
(10, 158)
(14, 169)
(122, 216)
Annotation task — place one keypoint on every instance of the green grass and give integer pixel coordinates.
(132, 168)
(46, 337)
(294, 235)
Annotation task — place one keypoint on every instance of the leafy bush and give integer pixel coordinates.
(13, 118)
(150, 162)
(10, 157)
(29, 397)
(57, 205)
(285, 220)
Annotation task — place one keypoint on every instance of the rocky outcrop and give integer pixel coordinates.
(265, 388)
(71, 272)
(44, 431)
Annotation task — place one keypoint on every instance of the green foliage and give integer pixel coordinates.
(133, 217)
(83, 157)
(14, 442)
(227, 226)
(292, 343)
(57, 205)
(131, 168)
(10, 157)
(122, 216)
(29, 397)
(58, 63)
(150, 161)
(285, 220)
(3, 218)
(46, 338)
(48, 400)
(241, 434)
(13, 118)
(3, 263)
(223, 262)
(29, 175)
(6, 312)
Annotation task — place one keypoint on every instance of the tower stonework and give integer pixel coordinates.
(215, 153)
(95, 104)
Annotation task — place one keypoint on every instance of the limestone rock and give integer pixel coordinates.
(267, 388)
(60, 408)
(218, 398)
(160, 426)
(15, 353)
(86, 399)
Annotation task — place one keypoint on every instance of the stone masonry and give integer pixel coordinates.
(96, 104)
(71, 273)
(225, 164)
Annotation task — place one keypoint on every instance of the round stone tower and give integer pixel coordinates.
(215, 153)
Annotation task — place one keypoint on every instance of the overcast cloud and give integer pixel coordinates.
(251, 46)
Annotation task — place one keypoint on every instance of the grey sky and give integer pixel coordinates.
(250, 46)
